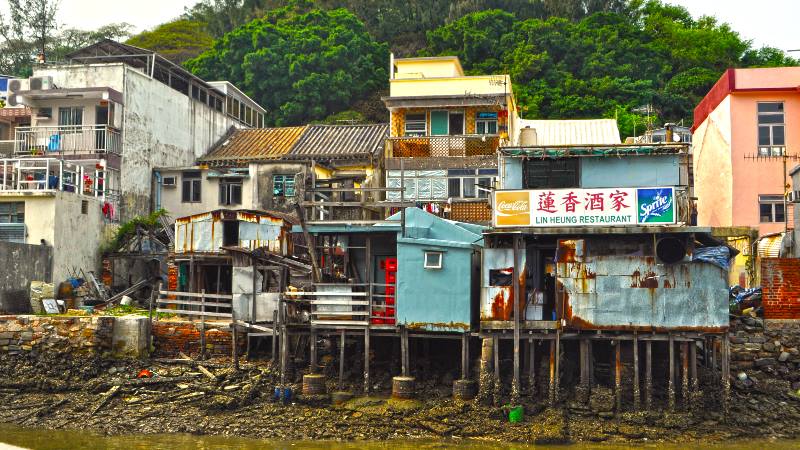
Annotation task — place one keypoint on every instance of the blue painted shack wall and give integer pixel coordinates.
(511, 173)
(436, 299)
(599, 172)
(624, 292)
(634, 171)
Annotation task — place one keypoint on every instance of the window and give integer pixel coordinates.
(70, 116)
(461, 183)
(283, 185)
(486, 123)
(191, 187)
(415, 124)
(230, 191)
(45, 113)
(84, 206)
(771, 139)
(770, 208)
(553, 174)
(433, 260)
(12, 212)
(12, 222)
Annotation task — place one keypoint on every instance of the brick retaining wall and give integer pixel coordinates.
(780, 281)
(173, 337)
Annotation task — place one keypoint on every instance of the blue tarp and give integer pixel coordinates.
(719, 256)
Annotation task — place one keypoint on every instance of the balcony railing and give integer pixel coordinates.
(442, 146)
(51, 175)
(67, 140)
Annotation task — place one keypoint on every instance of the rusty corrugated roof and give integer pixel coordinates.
(340, 141)
(254, 144)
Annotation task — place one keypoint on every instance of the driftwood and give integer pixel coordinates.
(106, 398)
(207, 373)
(39, 411)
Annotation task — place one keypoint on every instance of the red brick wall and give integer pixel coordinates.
(780, 281)
(170, 338)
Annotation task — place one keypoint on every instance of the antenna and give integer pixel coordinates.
(783, 156)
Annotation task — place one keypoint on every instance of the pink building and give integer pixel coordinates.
(742, 128)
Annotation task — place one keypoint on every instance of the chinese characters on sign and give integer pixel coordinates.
(584, 207)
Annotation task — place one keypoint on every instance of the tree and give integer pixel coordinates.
(26, 33)
(177, 41)
(71, 39)
(300, 65)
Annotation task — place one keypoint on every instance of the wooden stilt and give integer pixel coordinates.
(274, 350)
(366, 361)
(342, 337)
(235, 346)
(404, 350)
(618, 375)
(552, 389)
(496, 354)
(693, 365)
(726, 372)
(648, 375)
(706, 355)
(313, 351)
(515, 383)
(284, 340)
(636, 383)
(465, 356)
(584, 363)
(558, 366)
(531, 367)
(671, 383)
(685, 374)
(203, 325)
(713, 351)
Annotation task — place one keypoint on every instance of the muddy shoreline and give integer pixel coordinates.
(105, 396)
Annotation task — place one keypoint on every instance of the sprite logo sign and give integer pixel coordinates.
(655, 205)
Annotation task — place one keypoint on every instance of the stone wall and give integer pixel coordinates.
(780, 281)
(765, 350)
(173, 337)
(58, 334)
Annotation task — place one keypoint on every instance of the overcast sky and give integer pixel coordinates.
(766, 22)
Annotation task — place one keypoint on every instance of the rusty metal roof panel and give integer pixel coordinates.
(255, 144)
(340, 141)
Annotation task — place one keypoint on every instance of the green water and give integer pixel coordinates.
(40, 439)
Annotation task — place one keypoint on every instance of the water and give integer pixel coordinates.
(39, 439)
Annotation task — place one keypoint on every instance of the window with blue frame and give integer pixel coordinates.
(283, 185)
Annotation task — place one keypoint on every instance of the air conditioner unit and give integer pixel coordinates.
(793, 196)
(15, 86)
(41, 83)
(18, 84)
(168, 181)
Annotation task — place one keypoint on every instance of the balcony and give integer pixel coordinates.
(442, 146)
(67, 140)
(50, 175)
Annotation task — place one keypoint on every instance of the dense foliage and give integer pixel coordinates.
(300, 65)
(177, 41)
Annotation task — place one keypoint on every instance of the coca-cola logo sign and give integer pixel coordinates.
(514, 206)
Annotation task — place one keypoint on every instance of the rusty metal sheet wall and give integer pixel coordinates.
(497, 301)
(636, 292)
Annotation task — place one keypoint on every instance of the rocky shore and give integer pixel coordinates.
(112, 396)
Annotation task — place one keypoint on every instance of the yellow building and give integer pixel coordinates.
(445, 128)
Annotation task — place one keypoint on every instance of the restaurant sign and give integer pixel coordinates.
(584, 207)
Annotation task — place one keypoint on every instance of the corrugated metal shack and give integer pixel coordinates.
(411, 275)
(590, 258)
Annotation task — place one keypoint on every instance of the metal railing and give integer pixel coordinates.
(51, 174)
(67, 140)
(346, 304)
(442, 146)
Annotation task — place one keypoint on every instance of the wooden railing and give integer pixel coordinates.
(195, 304)
(442, 146)
(67, 140)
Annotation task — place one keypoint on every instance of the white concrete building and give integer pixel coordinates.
(99, 124)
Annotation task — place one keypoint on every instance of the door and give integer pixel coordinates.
(101, 119)
(456, 123)
(439, 123)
